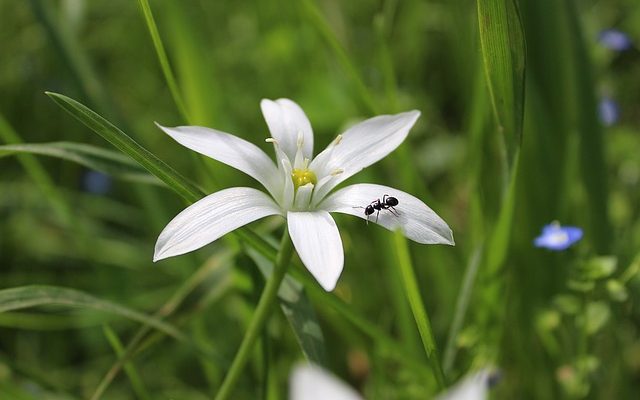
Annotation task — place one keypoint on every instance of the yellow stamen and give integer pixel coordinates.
(301, 177)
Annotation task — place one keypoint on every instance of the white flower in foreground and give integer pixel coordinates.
(310, 382)
(298, 185)
(472, 387)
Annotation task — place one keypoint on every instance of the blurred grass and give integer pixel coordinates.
(341, 61)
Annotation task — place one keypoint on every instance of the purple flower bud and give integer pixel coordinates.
(556, 237)
(614, 39)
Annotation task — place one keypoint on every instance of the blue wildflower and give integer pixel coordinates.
(608, 111)
(614, 39)
(96, 182)
(557, 237)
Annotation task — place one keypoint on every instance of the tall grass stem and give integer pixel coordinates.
(417, 306)
(265, 304)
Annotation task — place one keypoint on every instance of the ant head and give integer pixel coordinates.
(369, 210)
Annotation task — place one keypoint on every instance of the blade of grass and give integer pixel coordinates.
(134, 377)
(194, 63)
(417, 306)
(128, 146)
(317, 19)
(162, 58)
(592, 156)
(166, 310)
(76, 59)
(503, 52)
(38, 174)
(299, 312)
(96, 158)
(31, 296)
(462, 304)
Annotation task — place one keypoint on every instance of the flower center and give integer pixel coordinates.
(302, 176)
(557, 238)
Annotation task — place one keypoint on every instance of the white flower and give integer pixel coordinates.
(310, 382)
(298, 185)
(472, 387)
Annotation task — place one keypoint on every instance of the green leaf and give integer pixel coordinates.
(597, 314)
(598, 268)
(99, 159)
(128, 146)
(299, 312)
(504, 56)
(617, 291)
(31, 296)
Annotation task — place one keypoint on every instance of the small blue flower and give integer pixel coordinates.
(614, 39)
(608, 111)
(96, 182)
(557, 237)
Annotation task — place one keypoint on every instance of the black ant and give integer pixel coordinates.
(387, 203)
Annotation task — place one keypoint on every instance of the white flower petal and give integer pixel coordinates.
(317, 241)
(210, 218)
(416, 220)
(288, 190)
(286, 122)
(303, 196)
(230, 150)
(362, 145)
(309, 382)
(473, 387)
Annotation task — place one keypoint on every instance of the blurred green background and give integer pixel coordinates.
(558, 325)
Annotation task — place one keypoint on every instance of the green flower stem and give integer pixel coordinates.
(417, 306)
(265, 304)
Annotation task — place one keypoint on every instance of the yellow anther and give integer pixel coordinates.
(301, 177)
(337, 140)
(336, 172)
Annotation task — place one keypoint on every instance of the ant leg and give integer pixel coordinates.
(377, 215)
(384, 198)
(393, 211)
(367, 220)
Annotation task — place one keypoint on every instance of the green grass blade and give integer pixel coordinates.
(318, 20)
(96, 158)
(299, 312)
(38, 174)
(500, 238)
(417, 306)
(162, 58)
(75, 58)
(130, 369)
(31, 296)
(503, 53)
(195, 63)
(215, 268)
(592, 143)
(128, 146)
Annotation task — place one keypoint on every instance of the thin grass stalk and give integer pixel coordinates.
(417, 307)
(263, 310)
